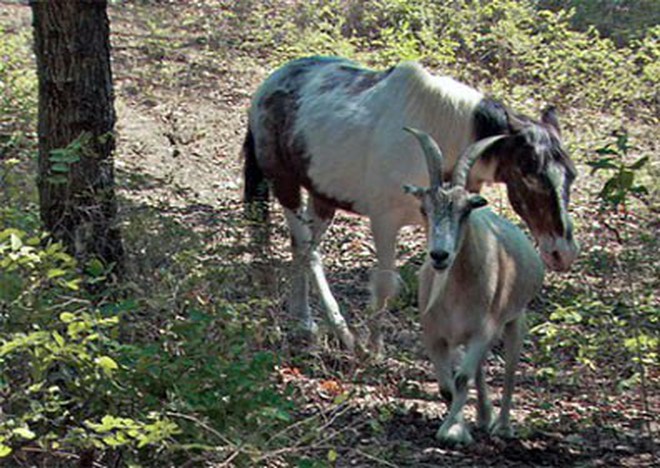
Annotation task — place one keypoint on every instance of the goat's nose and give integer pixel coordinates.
(439, 255)
(439, 258)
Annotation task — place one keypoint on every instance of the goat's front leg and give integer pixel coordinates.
(453, 429)
(513, 337)
(384, 281)
(441, 357)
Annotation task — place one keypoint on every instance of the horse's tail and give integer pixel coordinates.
(255, 191)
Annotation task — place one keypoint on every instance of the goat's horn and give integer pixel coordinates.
(432, 153)
(469, 157)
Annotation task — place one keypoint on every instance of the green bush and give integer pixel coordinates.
(509, 46)
(71, 381)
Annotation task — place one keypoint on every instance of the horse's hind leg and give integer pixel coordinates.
(320, 215)
(300, 245)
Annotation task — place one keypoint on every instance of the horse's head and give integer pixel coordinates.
(538, 174)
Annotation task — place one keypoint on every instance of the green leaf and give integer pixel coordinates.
(58, 180)
(24, 432)
(602, 164)
(606, 150)
(107, 364)
(60, 167)
(639, 163)
(55, 273)
(639, 190)
(59, 339)
(95, 268)
(65, 155)
(610, 186)
(626, 179)
(332, 455)
(15, 242)
(622, 142)
(4, 450)
(67, 317)
(73, 284)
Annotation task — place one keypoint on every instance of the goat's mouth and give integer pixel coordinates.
(441, 265)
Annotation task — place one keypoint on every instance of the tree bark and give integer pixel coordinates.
(76, 102)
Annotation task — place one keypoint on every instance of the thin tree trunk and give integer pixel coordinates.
(76, 101)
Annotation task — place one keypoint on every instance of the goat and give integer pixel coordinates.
(333, 128)
(480, 274)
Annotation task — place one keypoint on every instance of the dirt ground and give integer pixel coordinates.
(180, 125)
(179, 147)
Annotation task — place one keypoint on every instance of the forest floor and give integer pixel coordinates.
(182, 110)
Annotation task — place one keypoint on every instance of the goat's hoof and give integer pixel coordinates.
(502, 430)
(455, 434)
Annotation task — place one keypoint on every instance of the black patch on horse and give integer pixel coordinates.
(490, 118)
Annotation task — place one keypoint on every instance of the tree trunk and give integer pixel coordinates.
(76, 105)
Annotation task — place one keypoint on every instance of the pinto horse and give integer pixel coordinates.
(334, 128)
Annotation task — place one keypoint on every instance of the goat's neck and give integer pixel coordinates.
(468, 259)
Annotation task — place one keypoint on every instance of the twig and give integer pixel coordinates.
(205, 426)
(292, 426)
(380, 461)
(320, 443)
(231, 457)
(57, 453)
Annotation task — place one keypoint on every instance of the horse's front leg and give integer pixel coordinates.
(384, 281)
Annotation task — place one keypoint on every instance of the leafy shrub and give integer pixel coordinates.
(516, 49)
(610, 330)
(70, 382)
(621, 20)
(59, 369)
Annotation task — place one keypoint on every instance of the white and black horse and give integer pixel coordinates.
(334, 128)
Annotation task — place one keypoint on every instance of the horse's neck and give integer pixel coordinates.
(443, 107)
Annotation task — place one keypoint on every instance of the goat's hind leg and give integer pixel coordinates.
(484, 407)
(513, 338)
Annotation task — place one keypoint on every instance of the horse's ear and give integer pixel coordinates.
(549, 117)
(515, 121)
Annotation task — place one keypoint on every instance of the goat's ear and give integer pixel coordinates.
(477, 201)
(413, 190)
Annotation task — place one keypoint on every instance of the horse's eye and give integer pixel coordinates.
(528, 165)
